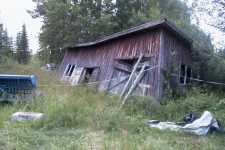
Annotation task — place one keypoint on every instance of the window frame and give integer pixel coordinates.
(183, 74)
(69, 70)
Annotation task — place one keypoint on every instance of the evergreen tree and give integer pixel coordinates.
(5, 44)
(22, 47)
(18, 48)
(1, 39)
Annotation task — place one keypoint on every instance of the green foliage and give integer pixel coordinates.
(74, 22)
(7, 62)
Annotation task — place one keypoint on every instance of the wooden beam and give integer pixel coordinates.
(122, 67)
(131, 76)
(144, 87)
(136, 81)
(111, 77)
(118, 84)
(64, 73)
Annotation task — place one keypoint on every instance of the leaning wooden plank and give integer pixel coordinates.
(109, 84)
(64, 73)
(118, 83)
(144, 87)
(131, 76)
(137, 80)
(76, 76)
(147, 63)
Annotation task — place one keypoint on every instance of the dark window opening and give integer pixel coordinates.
(189, 72)
(128, 61)
(182, 74)
(126, 65)
(68, 70)
(88, 75)
(185, 74)
(71, 70)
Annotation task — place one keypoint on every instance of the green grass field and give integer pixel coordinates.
(78, 118)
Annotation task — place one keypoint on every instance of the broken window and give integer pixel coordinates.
(189, 73)
(182, 74)
(130, 62)
(90, 74)
(125, 64)
(185, 74)
(77, 73)
(68, 69)
(71, 70)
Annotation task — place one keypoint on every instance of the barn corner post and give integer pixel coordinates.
(161, 67)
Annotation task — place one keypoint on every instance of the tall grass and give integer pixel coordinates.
(79, 118)
(66, 107)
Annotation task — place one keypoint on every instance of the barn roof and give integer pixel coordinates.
(164, 23)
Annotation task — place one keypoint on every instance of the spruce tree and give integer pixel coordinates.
(22, 46)
(6, 47)
(1, 38)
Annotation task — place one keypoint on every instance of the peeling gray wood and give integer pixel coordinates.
(118, 84)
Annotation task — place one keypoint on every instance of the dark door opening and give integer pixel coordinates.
(185, 74)
(88, 75)
(182, 74)
(189, 72)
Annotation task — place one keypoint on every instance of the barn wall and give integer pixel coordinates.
(174, 52)
(104, 56)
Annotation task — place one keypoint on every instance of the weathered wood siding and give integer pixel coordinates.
(104, 56)
(174, 52)
(160, 47)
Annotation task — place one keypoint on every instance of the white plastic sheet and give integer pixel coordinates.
(26, 116)
(200, 126)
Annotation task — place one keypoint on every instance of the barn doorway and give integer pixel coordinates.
(90, 74)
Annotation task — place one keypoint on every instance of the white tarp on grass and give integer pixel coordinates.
(26, 116)
(200, 126)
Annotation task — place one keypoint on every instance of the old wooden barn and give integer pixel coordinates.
(137, 61)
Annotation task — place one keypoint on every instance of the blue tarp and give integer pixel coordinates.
(32, 79)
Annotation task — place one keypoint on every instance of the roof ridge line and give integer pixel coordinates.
(134, 29)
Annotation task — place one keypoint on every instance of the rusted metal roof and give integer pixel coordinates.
(164, 23)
